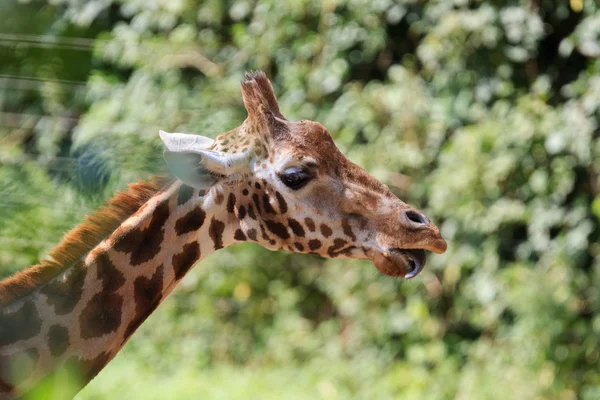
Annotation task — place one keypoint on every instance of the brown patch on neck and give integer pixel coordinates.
(79, 241)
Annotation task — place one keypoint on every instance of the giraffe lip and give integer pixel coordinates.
(406, 263)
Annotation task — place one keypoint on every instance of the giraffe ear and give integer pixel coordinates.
(187, 166)
(184, 142)
(190, 160)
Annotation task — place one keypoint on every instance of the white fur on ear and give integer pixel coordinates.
(190, 161)
(179, 142)
(225, 163)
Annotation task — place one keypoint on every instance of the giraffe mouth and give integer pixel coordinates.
(406, 263)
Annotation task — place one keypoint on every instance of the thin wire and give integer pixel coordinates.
(9, 77)
(39, 45)
(32, 83)
(9, 82)
(41, 89)
(117, 124)
(68, 40)
(47, 42)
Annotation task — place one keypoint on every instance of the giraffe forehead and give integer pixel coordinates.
(243, 139)
(286, 143)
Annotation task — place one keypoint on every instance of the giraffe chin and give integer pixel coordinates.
(406, 263)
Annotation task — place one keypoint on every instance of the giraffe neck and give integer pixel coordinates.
(80, 319)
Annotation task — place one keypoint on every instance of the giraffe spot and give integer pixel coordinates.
(337, 245)
(112, 279)
(183, 261)
(65, 293)
(245, 192)
(314, 244)
(85, 370)
(144, 244)
(267, 205)
(242, 212)
(148, 294)
(219, 197)
(347, 251)
(264, 233)
(348, 229)
(251, 212)
(58, 340)
(310, 224)
(299, 246)
(101, 316)
(96, 365)
(296, 227)
(256, 202)
(252, 234)
(282, 203)
(325, 230)
(21, 324)
(190, 222)
(215, 231)
(239, 235)
(277, 228)
(185, 193)
(230, 203)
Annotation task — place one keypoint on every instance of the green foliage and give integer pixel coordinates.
(482, 113)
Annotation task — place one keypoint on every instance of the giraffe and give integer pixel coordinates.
(281, 184)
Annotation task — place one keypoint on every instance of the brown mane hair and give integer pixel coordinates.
(81, 239)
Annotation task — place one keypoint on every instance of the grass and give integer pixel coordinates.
(327, 380)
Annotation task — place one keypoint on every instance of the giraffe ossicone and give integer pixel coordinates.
(281, 184)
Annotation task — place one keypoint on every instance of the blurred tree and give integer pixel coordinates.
(482, 113)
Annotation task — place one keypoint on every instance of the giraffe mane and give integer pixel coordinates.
(78, 242)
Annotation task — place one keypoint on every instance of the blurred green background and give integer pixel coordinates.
(484, 114)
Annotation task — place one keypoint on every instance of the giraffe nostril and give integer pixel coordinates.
(416, 218)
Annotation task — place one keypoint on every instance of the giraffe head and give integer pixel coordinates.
(289, 187)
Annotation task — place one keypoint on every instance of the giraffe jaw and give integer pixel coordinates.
(406, 263)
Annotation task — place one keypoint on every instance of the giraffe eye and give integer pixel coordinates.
(295, 178)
